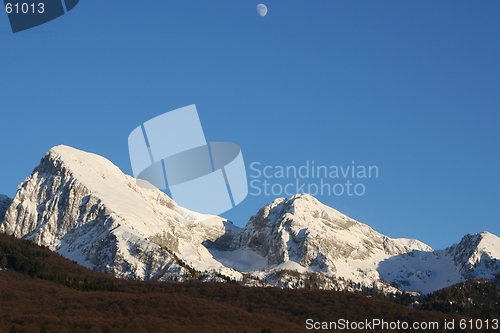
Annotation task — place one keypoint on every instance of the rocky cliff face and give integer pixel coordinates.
(304, 230)
(476, 256)
(85, 208)
(5, 203)
(82, 206)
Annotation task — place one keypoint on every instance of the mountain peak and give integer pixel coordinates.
(303, 200)
(303, 205)
(303, 233)
(481, 243)
(487, 234)
(83, 206)
(81, 163)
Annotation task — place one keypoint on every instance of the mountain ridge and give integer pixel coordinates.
(82, 206)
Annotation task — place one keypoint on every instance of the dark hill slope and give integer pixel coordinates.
(41, 288)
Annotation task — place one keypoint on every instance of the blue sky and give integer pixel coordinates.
(410, 87)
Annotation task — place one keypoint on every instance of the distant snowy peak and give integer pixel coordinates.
(482, 241)
(308, 212)
(305, 210)
(477, 255)
(303, 230)
(490, 244)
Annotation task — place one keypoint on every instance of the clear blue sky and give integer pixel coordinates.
(412, 87)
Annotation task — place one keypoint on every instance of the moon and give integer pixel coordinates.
(262, 9)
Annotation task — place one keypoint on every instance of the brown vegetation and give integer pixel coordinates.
(60, 296)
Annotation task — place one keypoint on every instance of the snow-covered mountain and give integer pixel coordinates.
(82, 206)
(303, 234)
(476, 256)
